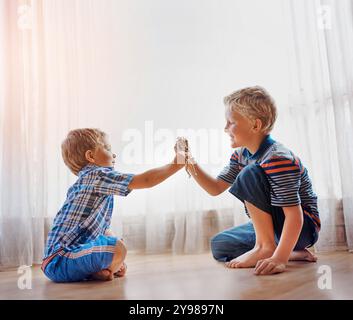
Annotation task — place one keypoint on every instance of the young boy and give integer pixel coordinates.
(272, 183)
(80, 245)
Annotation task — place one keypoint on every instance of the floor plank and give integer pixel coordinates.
(194, 277)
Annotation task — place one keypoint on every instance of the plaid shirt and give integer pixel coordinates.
(87, 211)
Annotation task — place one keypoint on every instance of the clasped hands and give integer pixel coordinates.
(183, 155)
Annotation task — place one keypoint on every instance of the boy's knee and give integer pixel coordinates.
(219, 245)
(120, 250)
(251, 182)
(250, 173)
(214, 248)
(233, 242)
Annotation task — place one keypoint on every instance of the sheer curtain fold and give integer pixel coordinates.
(23, 134)
(124, 66)
(321, 102)
(339, 43)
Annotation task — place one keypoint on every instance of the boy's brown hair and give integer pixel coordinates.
(254, 103)
(77, 142)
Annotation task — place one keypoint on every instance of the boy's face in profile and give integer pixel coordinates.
(238, 128)
(103, 155)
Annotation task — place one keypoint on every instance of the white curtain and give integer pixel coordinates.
(145, 73)
(320, 46)
(22, 142)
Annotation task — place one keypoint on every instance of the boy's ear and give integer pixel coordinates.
(89, 156)
(257, 125)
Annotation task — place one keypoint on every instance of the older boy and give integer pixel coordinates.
(272, 183)
(80, 245)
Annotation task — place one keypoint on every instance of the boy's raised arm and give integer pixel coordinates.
(211, 185)
(154, 176)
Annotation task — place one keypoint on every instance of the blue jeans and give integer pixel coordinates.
(252, 186)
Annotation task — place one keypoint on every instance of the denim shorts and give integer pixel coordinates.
(71, 265)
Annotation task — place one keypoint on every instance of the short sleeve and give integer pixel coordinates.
(284, 177)
(111, 182)
(231, 171)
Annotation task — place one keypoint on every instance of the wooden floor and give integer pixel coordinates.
(194, 277)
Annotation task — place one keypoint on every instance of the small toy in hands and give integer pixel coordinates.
(182, 146)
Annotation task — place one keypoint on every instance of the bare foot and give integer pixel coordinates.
(250, 258)
(121, 272)
(103, 275)
(303, 255)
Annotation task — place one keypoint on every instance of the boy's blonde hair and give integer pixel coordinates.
(254, 103)
(76, 144)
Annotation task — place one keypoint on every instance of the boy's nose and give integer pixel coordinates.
(114, 155)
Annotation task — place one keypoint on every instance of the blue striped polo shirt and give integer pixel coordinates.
(88, 207)
(288, 179)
